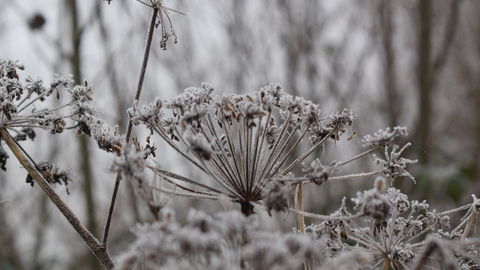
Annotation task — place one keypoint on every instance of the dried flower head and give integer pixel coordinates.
(163, 12)
(276, 197)
(151, 114)
(394, 165)
(3, 158)
(318, 173)
(106, 139)
(394, 238)
(53, 174)
(384, 137)
(16, 97)
(240, 141)
(131, 163)
(227, 241)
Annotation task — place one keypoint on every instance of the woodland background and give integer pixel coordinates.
(412, 63)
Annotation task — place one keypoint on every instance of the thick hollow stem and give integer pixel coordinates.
(386, 264)
(98, 250)
(246, 208)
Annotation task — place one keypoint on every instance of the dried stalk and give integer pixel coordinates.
(95, 246)
(130, 125)
(386, 264)
(471, 220)
(300, 219)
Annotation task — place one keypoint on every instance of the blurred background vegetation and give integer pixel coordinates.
(394, 62)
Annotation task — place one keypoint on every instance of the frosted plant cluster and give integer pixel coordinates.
(23, 109)
(250, 146)
(229, 240)
(246, 144)
(388, 230)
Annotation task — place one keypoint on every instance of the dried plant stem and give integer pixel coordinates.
(322, 217)
(151, 29)
(386, 264)
(460, 226)
(110, 211)
(353, 175)
(464, 207)
(435, 246)
(300, 219)
(358, 156)
(95, 246)
(306, 154)
(130, 124)
(471, 220)
(305, 180)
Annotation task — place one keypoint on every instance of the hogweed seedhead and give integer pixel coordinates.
(318, 173)
(393, 237)
(163, 12)
(385, 137)
(240, 141)
(16, 97)
(106, 139)
(19, 113)
(373, 203)
(394, 165)
(132, 164)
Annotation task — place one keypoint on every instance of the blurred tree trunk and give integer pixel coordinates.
(241, 50)
(430, 66)
(387, 32)
(299, 38)
(474, 92)
(10, 257)
(75, 61)
(424, 74)
(43, 220)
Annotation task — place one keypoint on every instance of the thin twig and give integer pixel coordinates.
(306, 180)
(98, 250)
(306, 154)
(130, 124)
(358, 156)
(322, 217)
